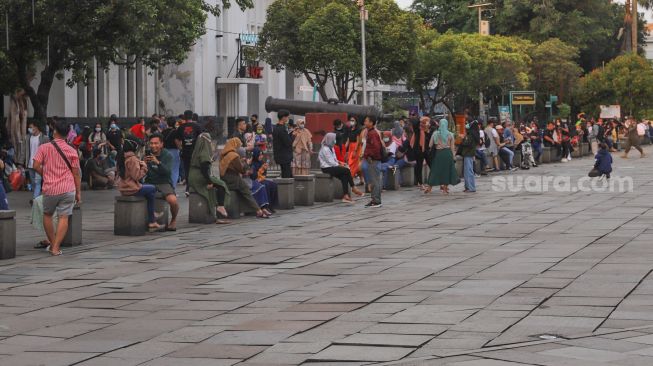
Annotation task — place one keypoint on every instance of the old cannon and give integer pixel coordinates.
(302, 108)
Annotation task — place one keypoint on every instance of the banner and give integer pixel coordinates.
(610, 111)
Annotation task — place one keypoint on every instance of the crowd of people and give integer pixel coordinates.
(153, 159)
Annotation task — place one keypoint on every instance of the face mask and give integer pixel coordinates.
(301, 127)
(98, 129)
(385, 139)
(114, 127)
(30, 130)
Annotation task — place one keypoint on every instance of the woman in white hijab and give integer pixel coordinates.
(330, 165)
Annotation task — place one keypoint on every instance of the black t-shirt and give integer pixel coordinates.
(115, 138)
(188, 133)
(548, 133)
(169, 137)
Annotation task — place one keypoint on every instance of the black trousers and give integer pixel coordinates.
(186, 161)
(220, 194)
(419, 168)
(286, 170)
(343, 174)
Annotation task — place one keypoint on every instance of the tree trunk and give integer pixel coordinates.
(39, 98)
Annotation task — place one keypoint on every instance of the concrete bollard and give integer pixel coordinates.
(577, 153)
(407, 176)
(323, 188)
(199, 211)
(459, 166)
(585, 148)
(517, 159)
(73, 236)
(162, 207)
(304, 190)
(7, 234)
(550, 155)
(236, 206)
(286, 189)
(130, 216)
(393, 179)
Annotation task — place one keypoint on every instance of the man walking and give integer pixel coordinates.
(282, 144)
(58, 164)
(633, 138)
(33, 140)
(187, 134)
(373, 156)
(159, 165)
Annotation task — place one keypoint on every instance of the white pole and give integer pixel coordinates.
(363, 54)
(481, 112)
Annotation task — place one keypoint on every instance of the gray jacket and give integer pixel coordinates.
(23, 154)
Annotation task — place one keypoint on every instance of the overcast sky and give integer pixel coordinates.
(406, 4)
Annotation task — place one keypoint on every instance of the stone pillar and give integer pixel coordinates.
(130, 216)
(407, 176)
(7, 234)
(122, 91)
(323, 187)
(131, 88)
(81, 100)
(73, 236)
(162, 208)
(242, 100)
(393, 179)
(199, 211)
(286, 188)
(140, 90)
(304, 190)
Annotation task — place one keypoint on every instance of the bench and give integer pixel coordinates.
(73, 236)
(324, 187)
(199, 211)
(408, 176)
(304, 190)
(7, 234)
(129, 216)
(286, 189)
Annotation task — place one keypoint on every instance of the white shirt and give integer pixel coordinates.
(34, 142)
(327, 157)
(392, 149)
(482, 134)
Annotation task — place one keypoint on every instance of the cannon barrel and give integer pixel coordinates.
(301, 108)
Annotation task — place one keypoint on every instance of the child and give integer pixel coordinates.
(603, 165)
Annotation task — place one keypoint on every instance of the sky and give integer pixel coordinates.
(406, 3)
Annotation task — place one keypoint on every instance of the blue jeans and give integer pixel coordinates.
(4, 203)
(401, 163)
(480, 154)
(174, 169)
(470, 179)
(511, 156)
(384, 169)
(365, 167)
(36, 180)
(537, 148)
(148, 191)
(374, 173)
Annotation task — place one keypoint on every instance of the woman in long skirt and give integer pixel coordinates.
(443, 167)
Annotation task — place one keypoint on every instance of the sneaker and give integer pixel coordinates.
(477, 175)
(373, 204)
(563, 160)
(569, 157)
(513, 168)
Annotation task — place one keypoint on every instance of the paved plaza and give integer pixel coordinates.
(489, 279)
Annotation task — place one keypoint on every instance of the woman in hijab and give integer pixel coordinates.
(259, 172)
(214, 190)
(231, 169)
(468, 151)
(443, 166)
(419, 144)
(302, 148)
(398, 136)
(330, 165)
(132, 170)
(258, 190)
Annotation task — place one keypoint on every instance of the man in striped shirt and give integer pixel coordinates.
(58, 164)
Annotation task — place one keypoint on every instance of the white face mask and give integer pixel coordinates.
(352, 123)
(98, 129)
(386, 139)
(301, 127)
(114, 127)
(30, 130)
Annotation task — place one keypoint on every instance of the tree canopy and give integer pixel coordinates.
(554, 70)
(67, 35)
(592, 26)
(466, 63)
(627, 80)
(321, 40)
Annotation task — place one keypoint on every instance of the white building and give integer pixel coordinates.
(215, 80)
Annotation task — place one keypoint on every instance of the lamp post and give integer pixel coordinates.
(363, 15)
(480, 7)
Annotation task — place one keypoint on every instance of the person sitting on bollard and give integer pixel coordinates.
(231, 169)
(200, 179)
(159, 164)
(99, 175)
(259, 172)
(258, 190)
(332, 166)
(131, 171)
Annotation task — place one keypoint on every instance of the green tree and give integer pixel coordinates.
(464, 64)
(321, 40)
(67, 35)
(627, 81)
(554, 69)
(592, 26)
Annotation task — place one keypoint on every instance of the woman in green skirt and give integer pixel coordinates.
(443, 166)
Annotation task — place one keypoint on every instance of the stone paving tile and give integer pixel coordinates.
(494, 270)
(361, 353)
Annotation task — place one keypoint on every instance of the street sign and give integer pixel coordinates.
(610, 111)
(485, 27)
(547, 105)
(554, 99)
(522, 97)
(504, 113)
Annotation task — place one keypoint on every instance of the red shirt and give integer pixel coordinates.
(373, 145)
(138, 130)
(57, 177)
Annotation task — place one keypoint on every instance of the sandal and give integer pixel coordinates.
(56, 254)
(42, 245)
(222, 222)
(262, 216)
(171, 228)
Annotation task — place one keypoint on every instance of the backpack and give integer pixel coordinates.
(486, 141)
